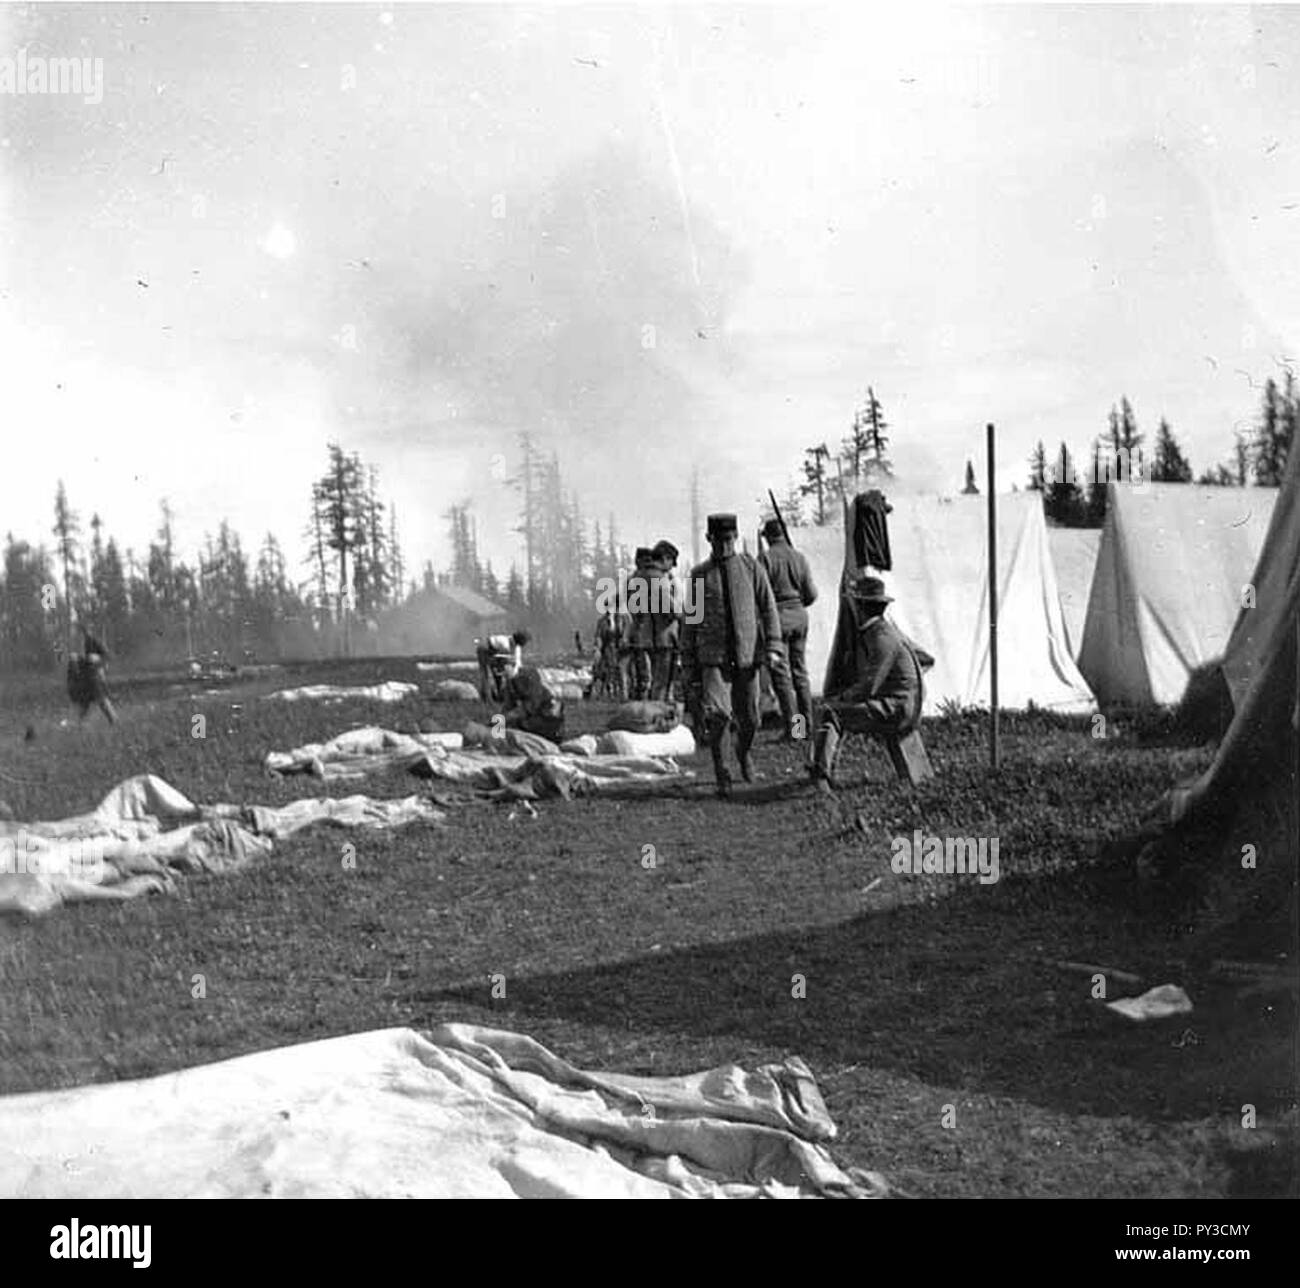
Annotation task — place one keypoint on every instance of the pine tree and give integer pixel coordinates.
(1241, 459)
(1038, 469)
(970, 489)
(1063, 504)
(814, 470)
(339, 506)
(1097, 501)
(67, 529)
(25, 625)
(1273, 438)
(1170, 465)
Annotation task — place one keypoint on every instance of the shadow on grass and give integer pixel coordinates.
(954, 997)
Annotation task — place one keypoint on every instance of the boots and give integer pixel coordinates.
(826, 747)
(744, 746)
(721, 774)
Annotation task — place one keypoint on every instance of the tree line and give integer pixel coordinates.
(158, 607)
(1078, 499)
(1071, 497)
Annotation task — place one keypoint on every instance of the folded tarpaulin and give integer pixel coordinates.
(145, 833)
(465, 1112)
(389, 691)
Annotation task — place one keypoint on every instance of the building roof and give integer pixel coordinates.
(471, 601)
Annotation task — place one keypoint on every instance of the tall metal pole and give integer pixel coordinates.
(993, 609)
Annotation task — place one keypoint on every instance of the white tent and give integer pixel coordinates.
(1250, 794)
(1173, 561)
(939, 548)
(1074, 556)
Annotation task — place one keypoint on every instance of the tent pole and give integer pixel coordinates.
(993, 610)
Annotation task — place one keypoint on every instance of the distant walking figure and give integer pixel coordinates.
(87, 683)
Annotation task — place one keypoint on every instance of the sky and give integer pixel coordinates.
(656, 238)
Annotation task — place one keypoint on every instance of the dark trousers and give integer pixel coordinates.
(729, 695)
(875, 716)
(491, 675)
(640, 678)
(793, 691)
(661, 665)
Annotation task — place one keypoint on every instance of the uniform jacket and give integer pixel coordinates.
(792, 584)
(666, 621)
(885, 667)
(754, 612)
(641, 631)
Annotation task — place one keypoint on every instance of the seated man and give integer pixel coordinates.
(883, 690)
(499, 657)
(531, 706)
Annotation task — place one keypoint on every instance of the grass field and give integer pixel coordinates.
(922, 993)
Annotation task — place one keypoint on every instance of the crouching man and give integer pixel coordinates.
(732, 627)
(499, 657)
(532, 706)
(882, 692)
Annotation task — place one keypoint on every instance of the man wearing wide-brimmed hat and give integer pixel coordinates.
(731, 626)
(879, 690)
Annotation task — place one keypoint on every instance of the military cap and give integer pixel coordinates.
(722, 525)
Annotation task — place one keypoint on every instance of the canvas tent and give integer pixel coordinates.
(1074, 556)
(1168, 583)
(940, 584)
(1250, 794)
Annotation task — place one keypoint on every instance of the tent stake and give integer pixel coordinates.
(993, 611)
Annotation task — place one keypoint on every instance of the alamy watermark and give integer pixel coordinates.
(650, 596)
(26, 854)
(34, 74)
(951, 855)
(1115, 465)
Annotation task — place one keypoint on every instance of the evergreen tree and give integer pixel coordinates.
(1273, 438)
(1063, 504)
(1038, 469)
(970, 489)
(26, 624)
(1170, 465)
(1098, 480)
(814, 471)
(67, 529)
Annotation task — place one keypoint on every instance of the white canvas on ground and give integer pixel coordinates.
(939, 549)
(1171, 567)
(462, 1113)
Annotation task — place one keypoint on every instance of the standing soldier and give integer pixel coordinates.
(792, 584)
(733, 627)
(607, 674)
(667, 623)
(640, 633)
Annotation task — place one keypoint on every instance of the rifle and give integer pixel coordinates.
(780, 518)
